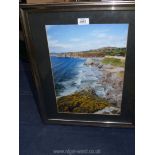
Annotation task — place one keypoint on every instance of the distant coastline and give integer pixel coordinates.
(101, 52)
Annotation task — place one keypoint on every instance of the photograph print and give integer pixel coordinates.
(88, 66)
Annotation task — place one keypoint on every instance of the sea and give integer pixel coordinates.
(72, 75)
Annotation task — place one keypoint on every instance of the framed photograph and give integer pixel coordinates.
(82, 57)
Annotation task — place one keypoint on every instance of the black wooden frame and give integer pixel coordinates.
(33, 16)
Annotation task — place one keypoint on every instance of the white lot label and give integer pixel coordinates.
(83, 21)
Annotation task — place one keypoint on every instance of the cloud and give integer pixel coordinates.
(57, 44)
(79, 45)
(95, 39)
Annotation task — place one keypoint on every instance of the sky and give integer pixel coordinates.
(74, 38)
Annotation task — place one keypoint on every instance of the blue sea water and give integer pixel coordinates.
(65, 72)
(71, 75)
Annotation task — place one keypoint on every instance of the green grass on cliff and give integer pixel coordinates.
(114, 61)
(81, 102)
(116, 52)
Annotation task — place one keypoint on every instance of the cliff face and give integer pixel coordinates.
(112, 78)
(93, 53)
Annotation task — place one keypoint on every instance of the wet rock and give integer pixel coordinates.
(100, 66)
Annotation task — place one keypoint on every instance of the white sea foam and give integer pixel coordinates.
(87, 77)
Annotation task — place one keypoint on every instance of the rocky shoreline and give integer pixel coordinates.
(105, 96)
(111, 80)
